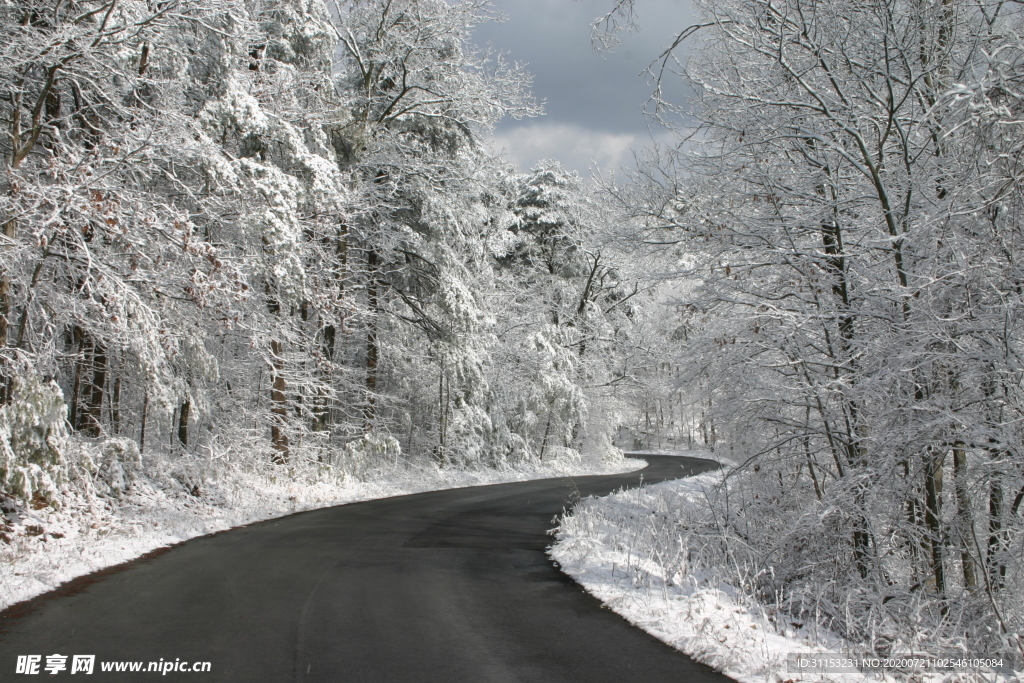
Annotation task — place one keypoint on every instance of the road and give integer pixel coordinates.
(448, 586)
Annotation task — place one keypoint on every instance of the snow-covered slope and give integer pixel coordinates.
(631, 550)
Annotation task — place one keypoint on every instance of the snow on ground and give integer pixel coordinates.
(41, 549)
(623, 550)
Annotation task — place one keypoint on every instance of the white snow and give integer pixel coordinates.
(45, 548)
(623, 550)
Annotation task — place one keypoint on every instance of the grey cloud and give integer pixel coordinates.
(593, 94)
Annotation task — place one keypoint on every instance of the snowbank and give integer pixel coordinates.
(630, 550)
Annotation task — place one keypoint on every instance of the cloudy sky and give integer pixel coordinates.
(593, 101)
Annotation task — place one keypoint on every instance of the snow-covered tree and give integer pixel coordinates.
(419, 96)
(838, 209)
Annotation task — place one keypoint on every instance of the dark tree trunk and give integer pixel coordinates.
(328, 337)
(996, 536)
(86, 404)
(442, 416)
(115, 407)
(94, 410)
(965, 521)
(279, 399)
(6, 311)
(77, 338)
(145, 414)
(372, 347)
(547, 430)
(933, 492)
(183, 414)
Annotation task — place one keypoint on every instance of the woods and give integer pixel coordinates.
(273, 225)
(842, 211)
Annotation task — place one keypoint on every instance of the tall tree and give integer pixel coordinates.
(419, 98)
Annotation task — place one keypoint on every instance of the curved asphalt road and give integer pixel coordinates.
(449, 587)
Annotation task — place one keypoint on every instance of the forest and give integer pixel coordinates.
(268, 234)
(271, 225)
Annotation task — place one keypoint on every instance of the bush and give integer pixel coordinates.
(33, 440)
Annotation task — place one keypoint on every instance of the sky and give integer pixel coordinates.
(593, 102)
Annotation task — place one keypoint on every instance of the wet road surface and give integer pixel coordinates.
(448, 586)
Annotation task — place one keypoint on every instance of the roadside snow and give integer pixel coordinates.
(41, 549)
(621, 548)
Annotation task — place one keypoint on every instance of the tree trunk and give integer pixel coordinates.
(913, 507)
(933, 492)
(115, 407)
(279, 399)
(547, 430)
(442, 414)
(92, 425)
(995, 564)
(861, 532)
(145, 414)
(372, 347)
(322, 406)
(77, 337)
(183, 414)
(329, 333)
(965, 521)
(5, 291)
(6, 310)
(836, 265)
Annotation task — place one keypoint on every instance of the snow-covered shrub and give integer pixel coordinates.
(598, 433)
(562, 453)
(548, 405)
(120, 464)
(360, 457)
(33, 439)
(469, 435)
